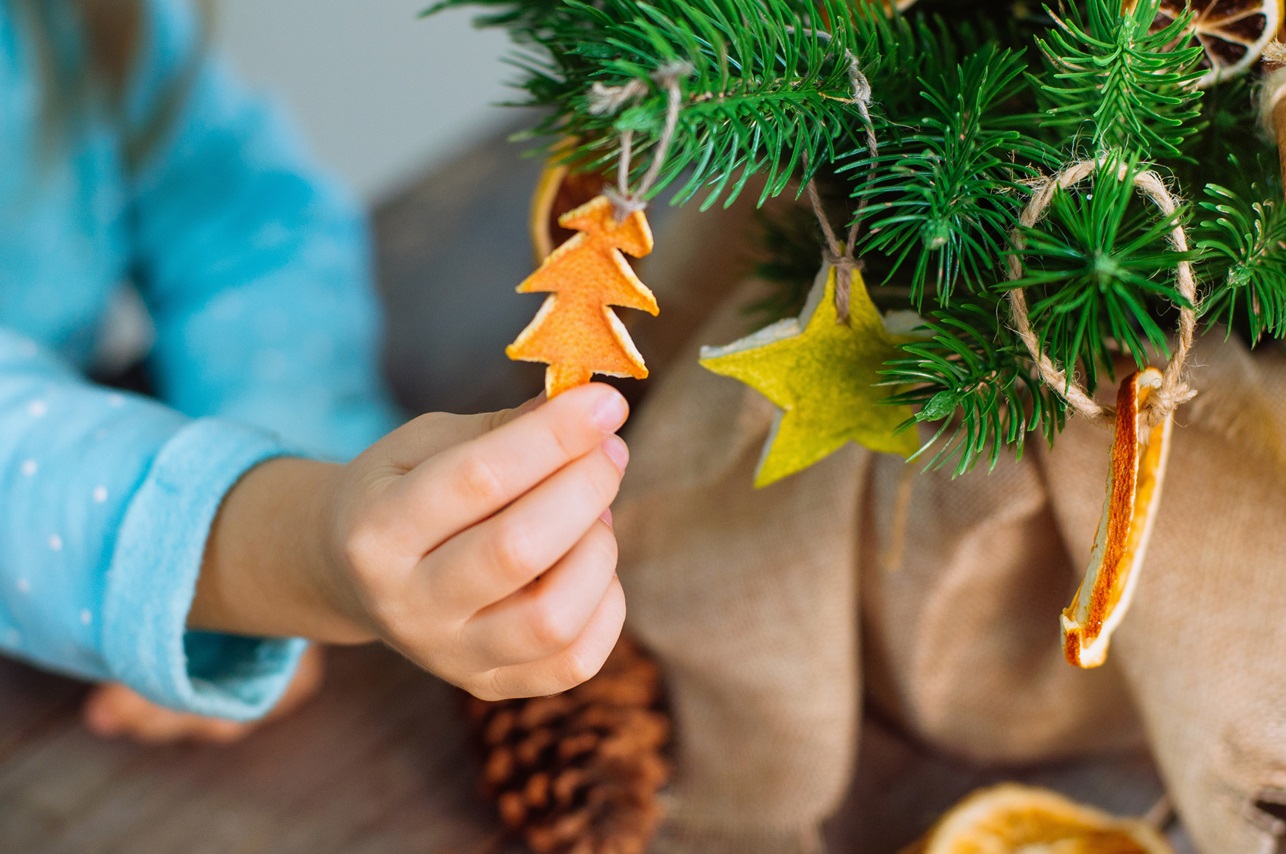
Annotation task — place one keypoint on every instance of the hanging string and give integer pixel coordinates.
(861, 86)
(605, 100)
(841, 257)
(1174, 389)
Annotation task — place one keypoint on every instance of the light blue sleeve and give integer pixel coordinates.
(254, 265)
(108, 499)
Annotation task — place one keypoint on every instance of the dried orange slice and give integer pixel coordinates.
(1013, 819)
(1234, 33)
(1133, 489)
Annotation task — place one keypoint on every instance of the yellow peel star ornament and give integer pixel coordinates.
(822, 375)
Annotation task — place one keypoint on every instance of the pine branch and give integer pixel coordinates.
(946, 195)
(973, 376)
(1135, 89)
(769, 100)
(768, 93)
(1097, 268)
(1244, 249)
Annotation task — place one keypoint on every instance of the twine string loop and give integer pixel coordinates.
(604, 100)
(1174, 390)
(841, 257)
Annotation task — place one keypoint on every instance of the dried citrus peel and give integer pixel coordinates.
(1233, 33)
(576, 332)
(1014, 818)
(1133, 489)
(548, 188)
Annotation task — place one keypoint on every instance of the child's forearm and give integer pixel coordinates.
(266, 561)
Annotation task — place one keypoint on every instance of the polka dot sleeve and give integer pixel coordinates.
(108, 502)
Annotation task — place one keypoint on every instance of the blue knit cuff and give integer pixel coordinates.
(152, 581)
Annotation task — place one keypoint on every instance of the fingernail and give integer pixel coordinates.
(610, 412)
(607, 518)
(617, 452)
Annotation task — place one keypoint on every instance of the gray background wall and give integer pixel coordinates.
(381, 93)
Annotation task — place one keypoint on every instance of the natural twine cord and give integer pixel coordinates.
(841, 257)
(1174, 388)
(604, 100)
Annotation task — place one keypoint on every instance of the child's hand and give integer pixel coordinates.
(478, 546)
(487, 559)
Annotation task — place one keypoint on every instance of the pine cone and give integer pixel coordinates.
(578, 773)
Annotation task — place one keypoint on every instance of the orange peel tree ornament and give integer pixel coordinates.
(576, 332)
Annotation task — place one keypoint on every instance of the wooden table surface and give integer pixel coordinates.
(378, 762)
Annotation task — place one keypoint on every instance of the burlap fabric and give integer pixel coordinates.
(775, 611)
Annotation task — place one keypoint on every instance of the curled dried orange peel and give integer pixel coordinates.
(576, 333)
(1133, 490)
(1009, 819)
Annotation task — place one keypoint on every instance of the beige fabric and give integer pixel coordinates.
(753, 622)
(1203, 646)
(751, 600)
(961, 629)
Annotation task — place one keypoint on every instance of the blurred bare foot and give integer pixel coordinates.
(113, 711)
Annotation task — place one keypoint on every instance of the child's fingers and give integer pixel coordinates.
(549, 614)
(570, 667)
(498, 557)
(472, 481)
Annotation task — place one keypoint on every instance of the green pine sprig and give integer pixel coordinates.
(944, 196)
(897, 52)
(1130, 88)
(1243, 248)
(972, 375)
(769, 96)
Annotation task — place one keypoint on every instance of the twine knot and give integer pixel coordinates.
(1162, 403)
(623, 205)
(846, 266)
(604, 100)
